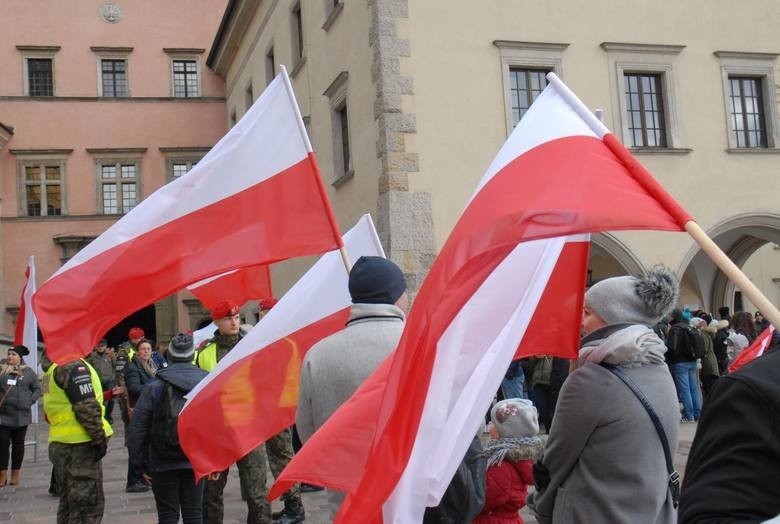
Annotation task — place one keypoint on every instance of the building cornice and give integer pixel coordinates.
(184, 50)
(109, 49)
(61, 218)
(234, 25)
(40, 48)
(531, 46)
(113, 100)
(116, 150)
(665, 49)
(6, 132)
(41, 151)
(746, 55)
(184, 149)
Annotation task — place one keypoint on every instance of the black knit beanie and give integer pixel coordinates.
(376, 280)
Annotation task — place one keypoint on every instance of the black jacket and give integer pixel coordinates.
(136, 378)
(465, 496)
(733, 471)
(143, 457)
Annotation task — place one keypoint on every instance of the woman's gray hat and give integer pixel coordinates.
(181, 348)
(635, 300)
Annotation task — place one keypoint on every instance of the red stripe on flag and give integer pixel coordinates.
(755, 350)
(554, 329)
(279, 218)
(20, 317)
(240, 286)
(561, 187)
(251, 401)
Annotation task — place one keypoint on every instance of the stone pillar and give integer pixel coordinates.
(405, 217)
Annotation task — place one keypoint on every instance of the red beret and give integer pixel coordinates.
(267, 303)
(136, 332)
(224, 308)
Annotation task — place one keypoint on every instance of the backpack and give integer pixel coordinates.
(164, 431)
(694, 346)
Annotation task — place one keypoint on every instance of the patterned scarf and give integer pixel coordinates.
(149, 366)
(519, 448)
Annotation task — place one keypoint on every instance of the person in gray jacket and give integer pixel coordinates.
(604, 461)
(335, 366)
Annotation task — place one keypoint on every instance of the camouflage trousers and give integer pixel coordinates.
(80, 481)
(280, 453)
(252, 473)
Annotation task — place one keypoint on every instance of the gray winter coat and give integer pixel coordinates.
(15, 411)
(605, 459)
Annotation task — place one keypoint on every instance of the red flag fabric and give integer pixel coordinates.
(238, 286)
(755, 350)
(255, 198)
(262, 372)
(557, 175)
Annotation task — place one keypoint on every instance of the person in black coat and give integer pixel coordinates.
(153, 440)
(733, 471)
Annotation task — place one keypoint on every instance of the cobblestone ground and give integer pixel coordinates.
(31, 503)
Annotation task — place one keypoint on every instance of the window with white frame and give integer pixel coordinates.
(180, 160)
(523, 69)
(41, 181)
(113, 77)
(750, 100)
(342, 155)
(38, 69)
(645, 103)
(118, 186)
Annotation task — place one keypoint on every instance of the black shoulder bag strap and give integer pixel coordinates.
(674, 477)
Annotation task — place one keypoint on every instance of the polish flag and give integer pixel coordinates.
(560, 174)
(252, 394)
(755, 350)
(255, 198)
(239, 286)
(26, 330)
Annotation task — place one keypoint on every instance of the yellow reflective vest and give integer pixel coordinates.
(207, 357)
(64, 425)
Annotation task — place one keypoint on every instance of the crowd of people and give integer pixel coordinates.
(612, 423)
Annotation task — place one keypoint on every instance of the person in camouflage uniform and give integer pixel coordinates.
(103, 362)
(78, 439)
(252, 470)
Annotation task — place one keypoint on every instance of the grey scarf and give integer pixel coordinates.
(513, 448)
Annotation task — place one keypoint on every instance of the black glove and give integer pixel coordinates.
(541, 474)
(100, 448)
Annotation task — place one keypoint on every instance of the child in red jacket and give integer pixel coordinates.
(511, 451)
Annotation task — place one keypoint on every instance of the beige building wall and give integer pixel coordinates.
(79, 128)
(437, 70)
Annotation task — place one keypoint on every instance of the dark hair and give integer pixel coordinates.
(145, 341)
(677, 316)
(723, 311)
(706, 316)
(742, 322)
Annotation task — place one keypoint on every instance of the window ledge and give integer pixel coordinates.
(754, 150)
(50, 218)
(340, 181)
(334, 13)
(298, 66)
(660, 150)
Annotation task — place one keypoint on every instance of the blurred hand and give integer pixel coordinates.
(100, 448)
(118, 390)
(146, 477)
(214, 476)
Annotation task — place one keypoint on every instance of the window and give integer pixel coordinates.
(747, 111)
(270, 66)
(40, 77)
(113, 75)
(523, 69)
(43, 189)
(644, 109)
(332, 10)
(644, 104)
(297, 34)
(342, 156)
(180, 160)
(524, 86)
(186, 83)
(181, 167)
(118, 187)
(249, 97)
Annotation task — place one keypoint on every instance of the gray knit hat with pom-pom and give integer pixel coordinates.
(635, 300)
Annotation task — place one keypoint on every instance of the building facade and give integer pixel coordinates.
(101, 103)
(408, 102)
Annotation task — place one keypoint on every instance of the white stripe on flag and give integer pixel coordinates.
(471, 359)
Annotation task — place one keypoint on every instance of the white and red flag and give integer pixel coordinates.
(394, 446)
(255, 198)
(755, 350)
(252, 394)
(26, 330)
(238, 286)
